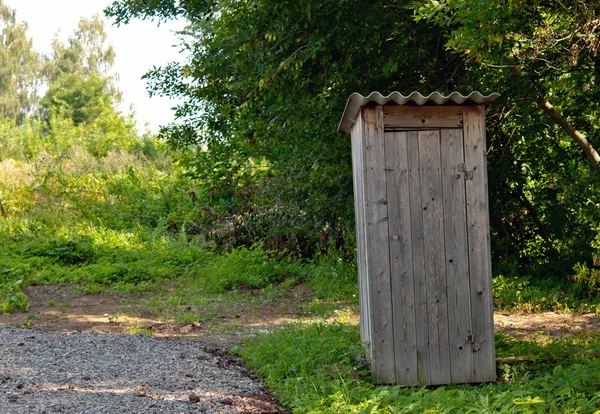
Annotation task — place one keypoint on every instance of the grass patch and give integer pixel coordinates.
(542, 295)
(318, 369)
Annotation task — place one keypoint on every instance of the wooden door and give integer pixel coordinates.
(429, 256)
(428, 181)
(425, 231)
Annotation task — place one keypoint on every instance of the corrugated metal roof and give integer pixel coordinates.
(356, 100)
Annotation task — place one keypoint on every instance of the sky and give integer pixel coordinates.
(139, 46)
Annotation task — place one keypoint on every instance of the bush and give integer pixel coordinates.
(67, 252)
(244, 268)
(588, 278)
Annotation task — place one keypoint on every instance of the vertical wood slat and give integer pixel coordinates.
(382, 344)
(457, 257)
(435, 258)
(479, 244)
(405, 342)
(358, 175)
(418, 259)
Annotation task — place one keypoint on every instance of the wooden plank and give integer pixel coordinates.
(358, 175)
(457, 256)
(403, 295)
(422, 117)
(418, 259)
(478, 225)
(382, 344)
(435, 257)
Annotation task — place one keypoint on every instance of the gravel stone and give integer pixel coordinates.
(94, 372)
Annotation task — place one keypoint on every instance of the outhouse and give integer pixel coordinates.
(423, 238)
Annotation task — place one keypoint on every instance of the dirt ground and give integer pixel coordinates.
(62, 309)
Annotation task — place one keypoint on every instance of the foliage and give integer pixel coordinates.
(12, 299)
(243, 268)
(67, 252)
(589, 277)
(19, 72)
(85, 54)
(529, 294)
(270, 90)
(125, 218)
(317, 369)
(79, 85)
(332, 278)
(82, 100)
(266, 82)
(541, 185)
(83, 205)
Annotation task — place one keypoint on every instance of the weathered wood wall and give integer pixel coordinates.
(420, 183)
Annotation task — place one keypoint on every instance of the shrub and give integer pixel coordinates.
(244, 268)
(67, 252)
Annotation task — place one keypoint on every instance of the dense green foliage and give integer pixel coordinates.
(79, 85)
(266, 83)
(113, 211)
(544, 193)
(265, 90)
(318, 369)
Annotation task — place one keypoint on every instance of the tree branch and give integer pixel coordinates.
(589, 150)
(577, 136)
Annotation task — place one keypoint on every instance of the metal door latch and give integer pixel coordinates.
(463, 168)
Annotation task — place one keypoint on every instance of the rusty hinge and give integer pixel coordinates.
(463, 168)
(474, 345)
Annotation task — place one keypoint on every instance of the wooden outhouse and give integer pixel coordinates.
(423, 238)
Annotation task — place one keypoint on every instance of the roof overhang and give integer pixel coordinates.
(356, 101)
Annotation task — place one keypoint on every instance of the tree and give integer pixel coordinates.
(81, 99)
(267, 80)
(551, 48)
(543, 56)
(85, 54)
(19, 65)
(80, 86)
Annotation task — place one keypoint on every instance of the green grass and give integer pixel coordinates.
(541, 295)
(318, 369)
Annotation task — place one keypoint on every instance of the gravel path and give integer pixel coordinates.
(91, 373)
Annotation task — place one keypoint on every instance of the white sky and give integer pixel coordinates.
(139, 46)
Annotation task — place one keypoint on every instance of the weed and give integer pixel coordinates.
(27, 323)
(68, 252)
(244, 268)
(333, 278)
(189, 317)
(139, 330)
(14, 299)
